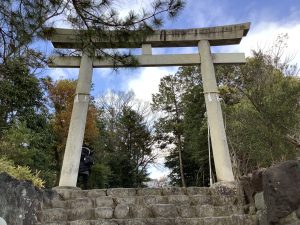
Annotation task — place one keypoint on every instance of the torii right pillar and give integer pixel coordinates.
(220, 149)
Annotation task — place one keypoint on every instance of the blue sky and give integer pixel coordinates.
(268, 18)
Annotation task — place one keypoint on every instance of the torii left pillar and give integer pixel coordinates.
(69, 171)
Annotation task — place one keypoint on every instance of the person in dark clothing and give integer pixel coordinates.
(85, 165)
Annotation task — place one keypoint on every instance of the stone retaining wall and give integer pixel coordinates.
(22, 204)
(166, 206)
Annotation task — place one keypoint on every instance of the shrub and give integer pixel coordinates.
(20, 172)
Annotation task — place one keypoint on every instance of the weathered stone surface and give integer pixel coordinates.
(19, 201)
(168, 206)
(51, 199)
(197, 191)
(220, 35)
(174, 191)
(58, 204)
(121, 192)
(96, 193)
(244, 219)
(151, 199)
(229, 220)
(204, 211)
(149, 191)
(247, 189)
(281, 189)
(80, 203)
(216, 211)
(79, 213)
(140, 211)
(80, 222)
(186, 211)
(250, 210)
(55, 223)
(121, 211)
(179, 199)
(257, 180)
(164, 210)
(201, 200)
(298, 212)
(2, 221)
(132, 222)
(262, 217)
(65, 192)
(126, 201)
(187, 221)
(160, 221)
(291, 219)
(259, 201)
(53, 215)
(220, 200)
(105, 201)
(75, 194)
(225, 193)
(224, 188)
(225, 220)
(104, 213)
(104, 222)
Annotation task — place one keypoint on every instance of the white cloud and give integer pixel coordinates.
(147, 81)
(157, 172)
(124, 6)
(62, 73)
(263, 36)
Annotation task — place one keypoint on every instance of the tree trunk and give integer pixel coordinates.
(183, 184)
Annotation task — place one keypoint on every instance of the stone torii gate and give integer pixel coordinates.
(202, 38)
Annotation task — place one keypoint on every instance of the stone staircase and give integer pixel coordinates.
(145, 206)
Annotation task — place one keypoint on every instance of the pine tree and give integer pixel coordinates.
(126, 141)
(183, 125)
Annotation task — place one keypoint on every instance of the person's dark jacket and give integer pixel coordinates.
(86, 161)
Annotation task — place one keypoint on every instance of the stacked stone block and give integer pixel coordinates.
(147, 206)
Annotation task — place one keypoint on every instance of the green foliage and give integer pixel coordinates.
(22, 22)
(170, 126)
(183, 124)
(125, 141)
(195, 159)
(20, 93)
(30, 148)
(26, 136)
(20, 172)
(61, 97)
(263, 120)
(99, 177)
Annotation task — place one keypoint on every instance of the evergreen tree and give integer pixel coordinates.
(126, 141)
(21, 95)
(262, 109)
(169, 101)
(23, 22)
(136, 140)
(181, 100)
(32, 148)
(61, 98)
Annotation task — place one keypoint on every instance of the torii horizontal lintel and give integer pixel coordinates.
(150, 60)
(220, 35)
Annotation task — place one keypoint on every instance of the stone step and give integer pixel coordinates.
(147, 206)
(122, 211)
(67, 194)
(109, 201)
(225, 220)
